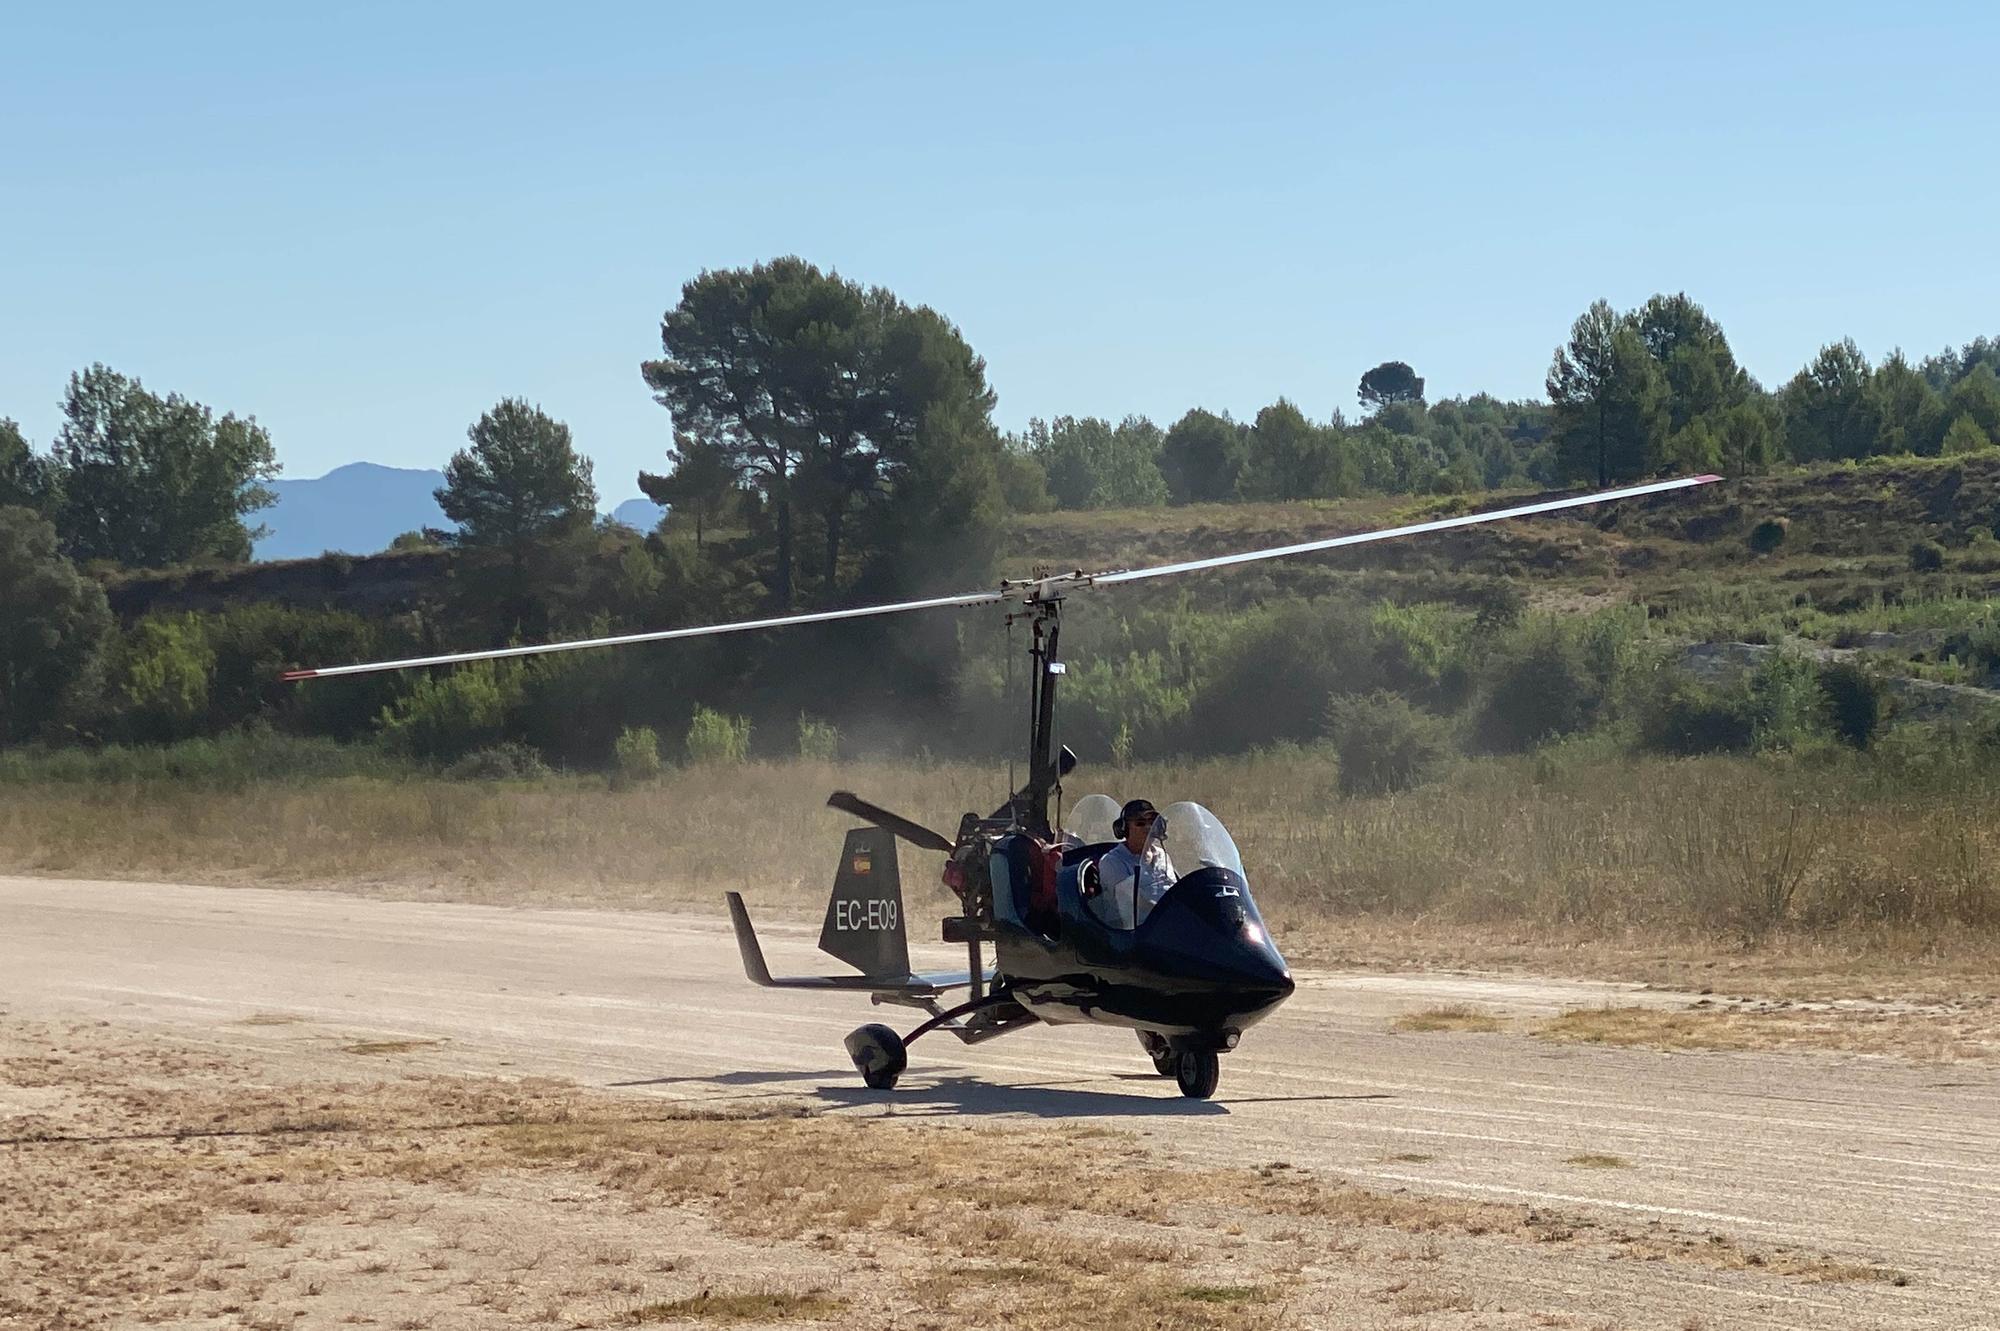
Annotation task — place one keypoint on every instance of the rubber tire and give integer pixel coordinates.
(880, 1074)
(1197, 1071)
(1164, 1060)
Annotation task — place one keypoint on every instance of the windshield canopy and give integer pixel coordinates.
(1090, 819)
(1197, 839)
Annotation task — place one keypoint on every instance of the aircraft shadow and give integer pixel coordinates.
(969, 1095)
(739, 1078)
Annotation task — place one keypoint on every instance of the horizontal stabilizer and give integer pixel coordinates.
(913, 985)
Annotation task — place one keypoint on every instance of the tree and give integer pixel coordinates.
(53, 623)
(815, 387)
(1201, 458)
(524, 503)
(25, 479)
(521, 481)
(1965, 436)
(1824, 419)
(150, 481)
(1288, 457)
(1093, 464)
(1978, 395)
(1701, 373)
(1609, 398)
(1391, 381)
(1900, 410)
(703, 478)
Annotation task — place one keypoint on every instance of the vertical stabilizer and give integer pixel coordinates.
(864, 920)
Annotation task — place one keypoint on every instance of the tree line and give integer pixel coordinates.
(830, 442)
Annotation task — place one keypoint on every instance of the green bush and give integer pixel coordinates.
(1926, 557)
(1551, 677)
(1384, 743)
(715, 738)
(1685, 716)
(239, 758)
(1787, 707)
(1268, 680)
(819, 741)
(445, 717)
(1854, 699)
(1768, 535)
(635, 756)
(505, 761)
(166, 668)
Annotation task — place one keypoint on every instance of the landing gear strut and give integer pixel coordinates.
(1157, 1049)
(880, 1055)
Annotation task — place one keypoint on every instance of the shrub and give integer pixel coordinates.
(1787, 707)
(505, 761)
(715, 738)
(445, 717)
(635, 756)
(1768, 535)
(1268, 680)
(1421, 651)
(1384, 743)
(1853, 702)
(1552, 677)
(1926, 557)
(1685, 716)
(167, 667)
(819, 741)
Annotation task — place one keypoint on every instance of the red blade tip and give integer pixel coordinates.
(298, 674)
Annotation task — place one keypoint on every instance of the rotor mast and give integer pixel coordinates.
(1043, 776)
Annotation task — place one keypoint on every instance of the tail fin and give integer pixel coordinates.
(864, 918)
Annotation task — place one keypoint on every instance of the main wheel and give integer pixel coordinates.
(1197, 1072)
(878, 1054)
(1164, 1061)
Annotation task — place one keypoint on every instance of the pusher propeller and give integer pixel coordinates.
(914, 833)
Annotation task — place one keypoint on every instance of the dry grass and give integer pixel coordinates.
(1557, 864)
(756, 1306)
(1966, 1032)
(234, 1189)
(386, 1046)
(1447, 1017)
(1592, 1160)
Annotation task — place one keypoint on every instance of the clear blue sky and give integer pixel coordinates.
(366, 223)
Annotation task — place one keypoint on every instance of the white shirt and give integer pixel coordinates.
(1115, 870)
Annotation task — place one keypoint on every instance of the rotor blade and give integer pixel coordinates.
(1362, 538)
(915, 833)
(663, 635)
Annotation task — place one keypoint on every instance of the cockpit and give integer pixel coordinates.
(1119, 889)
(1189, 950)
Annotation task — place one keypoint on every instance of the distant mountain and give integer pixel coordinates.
(358, 509)
(361, 507)
(642, 515)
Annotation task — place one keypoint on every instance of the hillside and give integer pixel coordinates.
(1846, 534)
(1845, 540)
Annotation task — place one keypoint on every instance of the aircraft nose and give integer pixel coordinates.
(1261, 971)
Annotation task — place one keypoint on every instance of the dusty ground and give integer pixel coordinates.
(276, 1109)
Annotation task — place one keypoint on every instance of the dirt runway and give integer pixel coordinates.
(1869, 1158)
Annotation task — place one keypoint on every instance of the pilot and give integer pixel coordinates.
(1139, 854)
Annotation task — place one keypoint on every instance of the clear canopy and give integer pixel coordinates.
(1090, 819)
(1196, 839)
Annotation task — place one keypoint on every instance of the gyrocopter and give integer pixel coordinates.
(1189, 968)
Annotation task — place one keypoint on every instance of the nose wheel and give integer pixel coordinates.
(1197, 1071)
